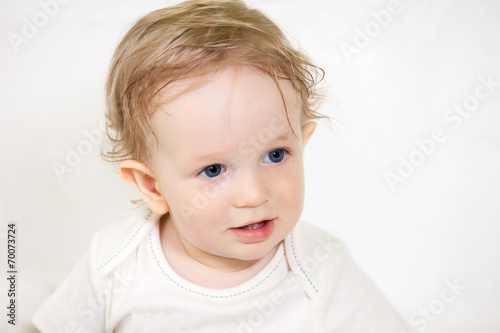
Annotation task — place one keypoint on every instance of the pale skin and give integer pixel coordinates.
(227, 157)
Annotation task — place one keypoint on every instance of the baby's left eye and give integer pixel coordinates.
(275, 156)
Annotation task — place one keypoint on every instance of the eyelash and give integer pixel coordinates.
(286, 152)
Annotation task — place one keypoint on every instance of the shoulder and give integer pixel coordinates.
(82, 298)
(310, 252)
(324, 268)
(112, 245)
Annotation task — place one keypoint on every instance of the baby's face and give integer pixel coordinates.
(229, 165)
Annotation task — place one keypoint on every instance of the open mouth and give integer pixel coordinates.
(254, 225)
(255, 232)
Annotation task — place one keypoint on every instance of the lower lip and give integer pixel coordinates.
(255, 235)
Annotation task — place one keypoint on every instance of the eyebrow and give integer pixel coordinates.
(213, 155)
(283, 137)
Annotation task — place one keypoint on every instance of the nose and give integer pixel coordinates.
(250, 189)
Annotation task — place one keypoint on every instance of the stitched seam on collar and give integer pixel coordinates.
(208, 295)
(128, 242)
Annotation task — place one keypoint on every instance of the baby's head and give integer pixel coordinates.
(209, 108)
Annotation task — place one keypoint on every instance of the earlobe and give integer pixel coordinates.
(143, 179)
(307, 131)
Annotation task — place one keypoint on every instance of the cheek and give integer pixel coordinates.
(294, 194)
(204, 211)
(295, 177)
(194, 224)
(291, 187)
(205, 201)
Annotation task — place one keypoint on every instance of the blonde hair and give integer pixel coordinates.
(189, 39)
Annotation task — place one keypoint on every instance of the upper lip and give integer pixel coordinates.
(257, 221)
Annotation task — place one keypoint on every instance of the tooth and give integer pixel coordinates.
(254, 226)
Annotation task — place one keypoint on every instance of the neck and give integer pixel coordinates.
(206, 269)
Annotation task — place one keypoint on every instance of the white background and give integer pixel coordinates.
(441, 224)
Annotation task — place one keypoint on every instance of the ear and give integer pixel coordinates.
(143, 179)
(307, 130)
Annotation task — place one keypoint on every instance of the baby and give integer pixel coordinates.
(209, 108)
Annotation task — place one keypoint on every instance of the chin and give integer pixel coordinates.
(256, 251)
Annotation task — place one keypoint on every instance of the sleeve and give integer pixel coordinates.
(77, 305)
(349, 302)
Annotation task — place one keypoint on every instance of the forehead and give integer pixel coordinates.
(224, 108)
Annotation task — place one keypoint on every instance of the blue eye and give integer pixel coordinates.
(275, 156)
(212, 171)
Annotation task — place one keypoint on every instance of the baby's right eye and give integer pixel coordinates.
(212, 171)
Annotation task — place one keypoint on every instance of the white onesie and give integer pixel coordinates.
(125, 284)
